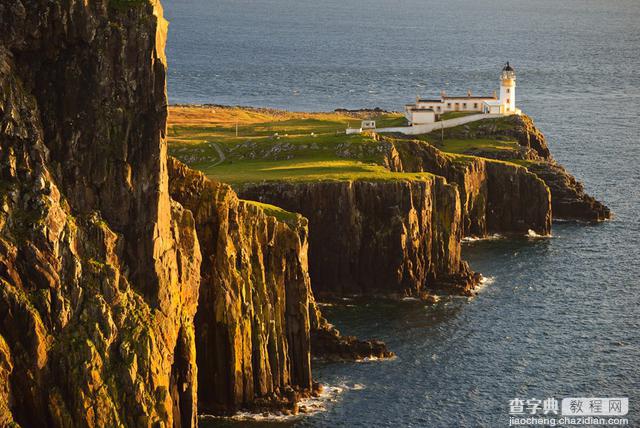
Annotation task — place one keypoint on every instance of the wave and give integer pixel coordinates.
(307, 407)
(468, 239)
(488, 280)
(532, 234)
(373, 359)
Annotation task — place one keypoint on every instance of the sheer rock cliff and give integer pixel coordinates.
(101, 270)
(386, 237)
(496, 197)
(99, 267)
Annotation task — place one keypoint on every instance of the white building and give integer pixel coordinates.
(368, 124)
(365, 124)
(429, 110)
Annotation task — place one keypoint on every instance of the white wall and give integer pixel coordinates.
(508, 99)
(418, 117)
(426, 128)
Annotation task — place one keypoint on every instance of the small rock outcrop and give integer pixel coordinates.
(568, 198)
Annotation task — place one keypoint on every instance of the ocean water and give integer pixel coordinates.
(560, 317)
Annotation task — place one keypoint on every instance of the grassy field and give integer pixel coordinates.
(237, 145)
(454, 114)
(277, 212)
(247, 145)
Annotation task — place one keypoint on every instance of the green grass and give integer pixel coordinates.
(391, 121)
(297, 170)
(467, 145)
(455, 114)
(274, 211)
(275, 145)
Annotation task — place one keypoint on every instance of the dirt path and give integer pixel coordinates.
(221, 156)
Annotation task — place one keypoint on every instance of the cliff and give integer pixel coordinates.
(101, 270)
(99, 267)
(568, 198)
(496, 197)
(257, 320)
(252, 324)
(386, 237)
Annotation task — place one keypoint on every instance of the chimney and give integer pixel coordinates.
(468, 92)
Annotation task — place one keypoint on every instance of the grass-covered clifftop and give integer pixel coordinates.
(239, 145)
(243, 145)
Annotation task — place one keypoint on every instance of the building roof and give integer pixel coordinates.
(420, 100)
(493, 102)
(420, 109)
(469, 98)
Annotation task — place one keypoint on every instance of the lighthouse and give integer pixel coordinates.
(508, 90)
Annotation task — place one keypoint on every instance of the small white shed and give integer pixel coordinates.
(368, 124)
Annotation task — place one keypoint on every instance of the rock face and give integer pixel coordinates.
(257, 320)
(252, 324)
(101, 270)
(568, 198)
(396, 237)
(496, 197)
(99, 267)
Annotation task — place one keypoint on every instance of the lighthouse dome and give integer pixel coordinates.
(508, 67)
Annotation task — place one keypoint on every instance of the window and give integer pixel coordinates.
(508, 90)
(475, 105)
(449, 105)
(464, 105)
(508, 101)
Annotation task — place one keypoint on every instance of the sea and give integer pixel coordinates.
(558, 317)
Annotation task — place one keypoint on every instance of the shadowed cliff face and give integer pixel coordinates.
(391, 237)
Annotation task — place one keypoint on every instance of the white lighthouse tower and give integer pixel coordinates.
(508, 90)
